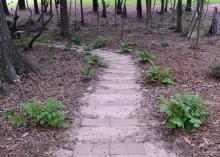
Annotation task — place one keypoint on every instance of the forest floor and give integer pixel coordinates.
(190, 68)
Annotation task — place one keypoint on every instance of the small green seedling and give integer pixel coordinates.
(126, 48)
(74, 41)
(94, 60)
(88, 47)
(86, 72)
(161, 75)
(49, 56)
(100, 42)
(145, 56)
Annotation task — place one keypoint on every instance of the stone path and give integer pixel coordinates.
(110, 127)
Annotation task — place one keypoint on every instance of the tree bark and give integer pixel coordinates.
(82, 12)
(139, 9)
(162, 6)
(213, 30)
(11, 63)
(179, 16)
(95, 5)
(166, 6)
(119, 7)
(22, 5)
(104, 12)
(5, 7)
(36, 9)
(148, 10)
(64, 19)
(188, 5)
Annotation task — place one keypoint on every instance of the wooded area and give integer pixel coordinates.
(142, 73)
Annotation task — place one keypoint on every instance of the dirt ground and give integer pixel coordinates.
(189, 66)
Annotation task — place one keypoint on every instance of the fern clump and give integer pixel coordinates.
(88, 47)
(73, 41)
(94, 60)
(86, 72)
(185, 111)
(49, 56)
(126, 48)
(45, 114)
(215, 70)
(99, 42)
(161, 75)
(145, 56)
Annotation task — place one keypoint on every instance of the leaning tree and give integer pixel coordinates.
(11, 63)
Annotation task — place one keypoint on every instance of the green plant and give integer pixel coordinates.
(88, 47)
(162, 75)
(94, 60)
(215, 70)
(126, 48)
(185, 111)
(99, 42)
(86, 72)
(145, 56)
(15, 119)
(73, 41)
(46, 114)
(49, 56)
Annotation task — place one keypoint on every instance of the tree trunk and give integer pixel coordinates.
(119, 7)
(82, 12)
(162, 6)
(22, 5)
(188, 5)
(95, 5)
(5, 7)
(179, 16)
(200, 11)
(148, 10)
(213, 30)
(11, 63)
(166, 6)
(36, 9)
(64, 19)
(104, 12)
(139, 9)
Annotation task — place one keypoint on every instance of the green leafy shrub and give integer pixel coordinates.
(126, 48)
(161, 75)
(145, 56)
(99, 42)
(88, 47)
(14, 118)
(45, 114)
(215, 70)
(94, 60)
(185, 111)
(74, 41)
(49, 56)
(86, 72)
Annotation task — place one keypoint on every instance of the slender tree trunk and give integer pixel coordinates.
(200, 5)
(124, 15)
(36, 9)
(11, 63)
(115, 12)
(188, 5)
(51, 7)
(64, 19)
(5, 7)
(149, 10)
(22, 5)
(82, 12)
(104, 12)
(166, 6)
(139, 9)
(213, 30)
(173, 10)
(97, 20)
(179, 16)
(162, 6)
(119, 7)
(95, 5)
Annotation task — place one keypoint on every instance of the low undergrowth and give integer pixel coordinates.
(185, 111)
(46, 114)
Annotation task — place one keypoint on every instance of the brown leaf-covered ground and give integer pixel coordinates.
(189, 66)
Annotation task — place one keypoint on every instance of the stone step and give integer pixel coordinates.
(116, 122)
(121, 150)
(118, 86)
(101, 90)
